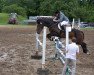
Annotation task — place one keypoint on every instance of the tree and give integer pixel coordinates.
(2, 4)
(14, 8)
(83, 9)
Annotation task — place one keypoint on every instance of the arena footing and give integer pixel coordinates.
(41, 71)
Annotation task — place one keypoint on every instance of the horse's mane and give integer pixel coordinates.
(46, 21)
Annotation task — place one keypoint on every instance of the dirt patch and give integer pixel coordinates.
(17, 45)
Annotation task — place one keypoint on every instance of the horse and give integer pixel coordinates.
(55, 31)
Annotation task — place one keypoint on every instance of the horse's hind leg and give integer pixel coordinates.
(84, 47)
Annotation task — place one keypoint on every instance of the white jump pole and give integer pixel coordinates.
(44, 48)
(68, 29)
(73, 23)
(79, 23)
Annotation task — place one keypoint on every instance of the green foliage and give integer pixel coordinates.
(83, 9)
(14, 8)
(47, 6)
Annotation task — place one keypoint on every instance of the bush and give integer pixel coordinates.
(14, 8)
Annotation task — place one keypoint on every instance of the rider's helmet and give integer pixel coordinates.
(57, 12)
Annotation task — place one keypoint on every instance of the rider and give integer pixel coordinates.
(61, 19)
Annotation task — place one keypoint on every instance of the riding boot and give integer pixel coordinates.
(63, 29)
(62, 33)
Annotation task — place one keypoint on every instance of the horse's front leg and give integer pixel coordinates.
(37, 43)
(39, 28)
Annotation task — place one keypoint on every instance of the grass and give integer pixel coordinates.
(89, 28)
(4, 17)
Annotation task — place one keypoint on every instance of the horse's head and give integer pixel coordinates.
(43, 21)
(39, 25)
(46, 21)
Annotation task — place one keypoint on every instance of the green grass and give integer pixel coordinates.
(4, 17)
(89, 28)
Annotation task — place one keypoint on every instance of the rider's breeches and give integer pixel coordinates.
(64, 23)
(71, 64)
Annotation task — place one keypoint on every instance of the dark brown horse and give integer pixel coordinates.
(55, 31)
